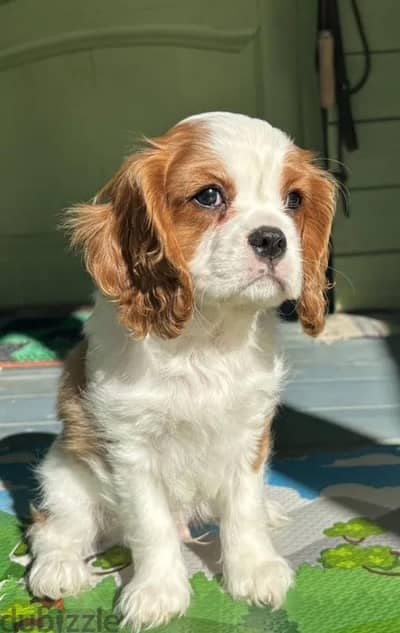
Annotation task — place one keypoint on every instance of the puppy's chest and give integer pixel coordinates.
(219, 390)
(216, 412)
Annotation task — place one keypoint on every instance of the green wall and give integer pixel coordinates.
(368, 245)
(79, 81)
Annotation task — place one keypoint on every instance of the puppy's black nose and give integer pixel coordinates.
(268, 242)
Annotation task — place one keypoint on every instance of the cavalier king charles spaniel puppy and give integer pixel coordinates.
(167, 404)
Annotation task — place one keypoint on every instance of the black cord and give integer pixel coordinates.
(366, 50)
(324, 21)
(326, 11)
(340, 170)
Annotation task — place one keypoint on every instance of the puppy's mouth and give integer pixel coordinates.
(270, 275)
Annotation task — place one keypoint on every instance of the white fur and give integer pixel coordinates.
(225, 268)
(60, 544)
(184, 417)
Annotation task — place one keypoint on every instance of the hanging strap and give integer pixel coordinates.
(347, 131)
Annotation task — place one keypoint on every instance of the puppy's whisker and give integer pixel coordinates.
(345, 277)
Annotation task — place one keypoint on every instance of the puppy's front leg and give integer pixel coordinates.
(159, 589)
(253, 570)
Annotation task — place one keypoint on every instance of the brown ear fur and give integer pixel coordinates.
(315, 228)
(131, 252)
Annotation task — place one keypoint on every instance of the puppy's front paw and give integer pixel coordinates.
(259, 581)
(144, 604)
(58, 574)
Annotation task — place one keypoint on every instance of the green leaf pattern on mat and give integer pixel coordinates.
(353, 557)
(42, 340)
(343, 601)
(113, 557)
(21, 549)
(12, 592)
(34, 351)
(11, 534)
(355, 529)
(14, 339)
(342, 557)
(323, 600)
(265, 619)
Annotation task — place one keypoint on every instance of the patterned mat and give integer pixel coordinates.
(342, 537)
(39, 341)
(44, 341)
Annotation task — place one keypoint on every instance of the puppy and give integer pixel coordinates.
(167, 405)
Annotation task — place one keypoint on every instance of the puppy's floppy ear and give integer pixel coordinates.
(315, 224)
(130, 249)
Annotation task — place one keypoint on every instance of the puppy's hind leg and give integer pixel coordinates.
(65, 526)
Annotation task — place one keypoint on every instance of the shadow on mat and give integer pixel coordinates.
(21, 452)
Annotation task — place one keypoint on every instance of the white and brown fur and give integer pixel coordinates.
(167, 404)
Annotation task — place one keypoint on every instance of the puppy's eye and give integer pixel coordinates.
(293, 201)
(210, 198)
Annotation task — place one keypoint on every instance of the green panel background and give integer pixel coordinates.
(368, 245)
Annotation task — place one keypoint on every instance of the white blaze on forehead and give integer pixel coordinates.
(252, 150)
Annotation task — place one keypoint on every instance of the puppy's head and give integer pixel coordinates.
(224, 207)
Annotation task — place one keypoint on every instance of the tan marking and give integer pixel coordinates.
(190, 170)
(142, 230)
(78, 434)
(38, 516)
(264, 447)
(49, 603)
(314, 223)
